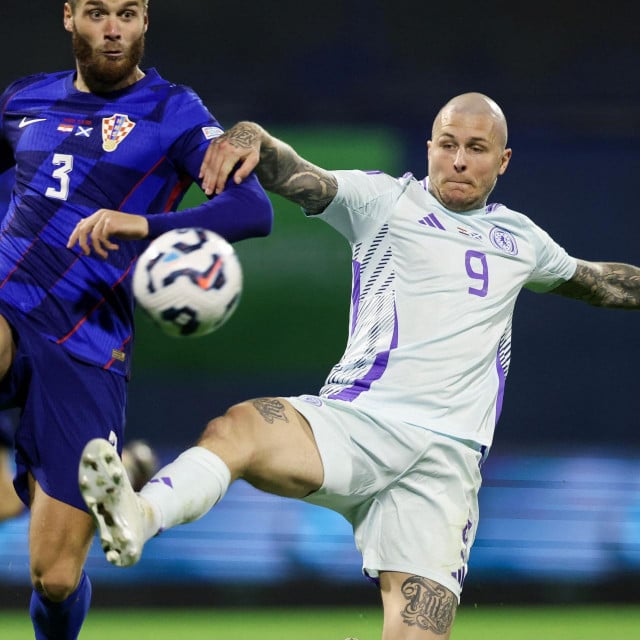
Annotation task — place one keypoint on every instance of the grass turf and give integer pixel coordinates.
(477, 623)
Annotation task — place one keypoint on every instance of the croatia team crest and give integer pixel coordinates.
(114, 130)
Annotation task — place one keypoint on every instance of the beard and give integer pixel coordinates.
(100, 74)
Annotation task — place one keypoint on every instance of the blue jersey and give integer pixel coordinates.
(135, 150)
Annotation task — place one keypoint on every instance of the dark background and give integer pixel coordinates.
(566, 75)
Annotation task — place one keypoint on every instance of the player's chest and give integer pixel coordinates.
(445, 253)
(91, 134)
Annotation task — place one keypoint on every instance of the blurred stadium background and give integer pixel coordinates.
(356, 84)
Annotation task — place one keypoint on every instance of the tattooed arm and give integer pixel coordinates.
(247, 147)
(604, 284)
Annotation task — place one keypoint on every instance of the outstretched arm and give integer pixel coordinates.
(247, 147)
(604, 284)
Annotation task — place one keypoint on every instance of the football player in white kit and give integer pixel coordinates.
(395, 439)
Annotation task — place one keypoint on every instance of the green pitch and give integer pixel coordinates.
(481, 623)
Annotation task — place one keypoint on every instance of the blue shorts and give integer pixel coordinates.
(64, 403)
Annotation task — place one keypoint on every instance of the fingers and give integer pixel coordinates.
(219, 162)
(94, 234)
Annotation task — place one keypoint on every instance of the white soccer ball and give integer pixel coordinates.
(189, 281)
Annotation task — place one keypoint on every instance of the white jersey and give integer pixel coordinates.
(432, 302)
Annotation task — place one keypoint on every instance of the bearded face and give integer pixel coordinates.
(108, 66)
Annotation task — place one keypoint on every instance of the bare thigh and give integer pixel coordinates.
(415, 608)
(59, 540)
(268, 443)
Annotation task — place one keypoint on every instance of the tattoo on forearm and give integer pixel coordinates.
(271, 409)
(430, 606)
(283, 171)
(604, 284)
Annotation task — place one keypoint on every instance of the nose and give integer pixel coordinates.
(112, 29)
(460, 161)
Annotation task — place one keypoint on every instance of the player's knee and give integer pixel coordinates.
(55, 585)
(228, 427)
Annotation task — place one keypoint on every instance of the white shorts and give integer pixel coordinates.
(411, 494)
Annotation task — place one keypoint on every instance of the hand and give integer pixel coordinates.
(240, 144)
(95, 231)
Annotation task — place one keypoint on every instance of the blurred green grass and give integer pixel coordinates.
(561, 622)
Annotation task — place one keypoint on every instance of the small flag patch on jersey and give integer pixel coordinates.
(64, 127)
(212, 132)
(467, 232)
(114, 130)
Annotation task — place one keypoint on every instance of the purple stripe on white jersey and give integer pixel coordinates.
(355, 294)
(503, 359)
(379, 366)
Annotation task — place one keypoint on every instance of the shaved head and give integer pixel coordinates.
(467, 152)
(474, 104)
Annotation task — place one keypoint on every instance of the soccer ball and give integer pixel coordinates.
(189, 281)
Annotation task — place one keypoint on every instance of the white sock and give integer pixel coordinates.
(185, 489)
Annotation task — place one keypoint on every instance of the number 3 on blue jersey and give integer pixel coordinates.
(64, 162)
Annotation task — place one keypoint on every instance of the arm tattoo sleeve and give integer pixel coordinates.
(281, 170)
(604, 284)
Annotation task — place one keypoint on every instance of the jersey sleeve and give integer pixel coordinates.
(553, 264)
(363, 203)
(191, 127)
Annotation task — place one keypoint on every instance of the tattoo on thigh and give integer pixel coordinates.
(430, 606)
(270, 409)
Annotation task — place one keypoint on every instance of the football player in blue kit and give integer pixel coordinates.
(91, 147)
(395, 439)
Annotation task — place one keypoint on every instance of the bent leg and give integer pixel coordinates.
(269, 444)
(59, 540)
(265, 441)
(415, 608)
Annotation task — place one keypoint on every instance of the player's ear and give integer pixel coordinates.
(68, 17)
(504, 161)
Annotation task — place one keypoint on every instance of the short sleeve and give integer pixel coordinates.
(363, 203)
(553, 264)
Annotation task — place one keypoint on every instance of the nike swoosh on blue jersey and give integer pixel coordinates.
(25, 122)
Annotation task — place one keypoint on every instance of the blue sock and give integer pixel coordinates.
(61, 620)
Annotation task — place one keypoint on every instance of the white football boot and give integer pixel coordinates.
(114, 505)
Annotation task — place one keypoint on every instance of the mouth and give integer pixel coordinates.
(112, 55)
